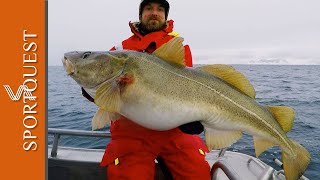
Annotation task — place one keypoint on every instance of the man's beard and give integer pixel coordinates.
(150, 25)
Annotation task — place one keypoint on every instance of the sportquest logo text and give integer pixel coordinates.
(27, 90)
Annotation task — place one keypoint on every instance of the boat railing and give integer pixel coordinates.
(232, 174)
(227, 170)
(58, 132)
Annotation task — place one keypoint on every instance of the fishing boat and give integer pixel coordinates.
(68, 163)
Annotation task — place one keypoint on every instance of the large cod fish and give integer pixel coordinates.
(158, 92)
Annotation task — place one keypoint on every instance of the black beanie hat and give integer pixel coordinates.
(164, 3)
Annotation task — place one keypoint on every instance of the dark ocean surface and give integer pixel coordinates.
(295, 86)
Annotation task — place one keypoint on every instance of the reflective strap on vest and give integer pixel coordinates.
(116, 161)
(174, 33)
(201, 152)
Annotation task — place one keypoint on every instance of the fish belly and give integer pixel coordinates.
(159, 117)
(158, 113)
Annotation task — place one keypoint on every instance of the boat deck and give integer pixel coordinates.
(66, 163)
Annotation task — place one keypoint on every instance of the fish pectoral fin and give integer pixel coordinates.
(102, 118)
(218, 139)
(172, 51)
(284, 115)
(108, 96)
(260, 145)
(231, 76)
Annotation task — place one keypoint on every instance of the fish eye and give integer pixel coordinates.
(86, 54)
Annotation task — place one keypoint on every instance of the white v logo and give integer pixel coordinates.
(17, 96)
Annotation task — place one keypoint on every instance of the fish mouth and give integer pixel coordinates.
(68, 66)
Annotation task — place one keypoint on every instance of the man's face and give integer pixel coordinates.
(153, 17)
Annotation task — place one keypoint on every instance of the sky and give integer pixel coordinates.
(224, 31)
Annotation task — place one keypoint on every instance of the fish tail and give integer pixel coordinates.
(295, 165)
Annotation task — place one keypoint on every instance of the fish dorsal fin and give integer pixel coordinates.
(172, 51)
(284, 115)
(260, 145)
(102, 118)
(108, 96)
(218, 139)
(231, 76)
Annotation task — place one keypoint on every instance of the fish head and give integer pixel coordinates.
(90, 69)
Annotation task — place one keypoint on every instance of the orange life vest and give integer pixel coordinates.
(152, 41)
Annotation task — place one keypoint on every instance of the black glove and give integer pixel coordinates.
(86, 95)
(192, 128)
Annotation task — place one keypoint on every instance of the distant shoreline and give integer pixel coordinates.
(244, 64)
